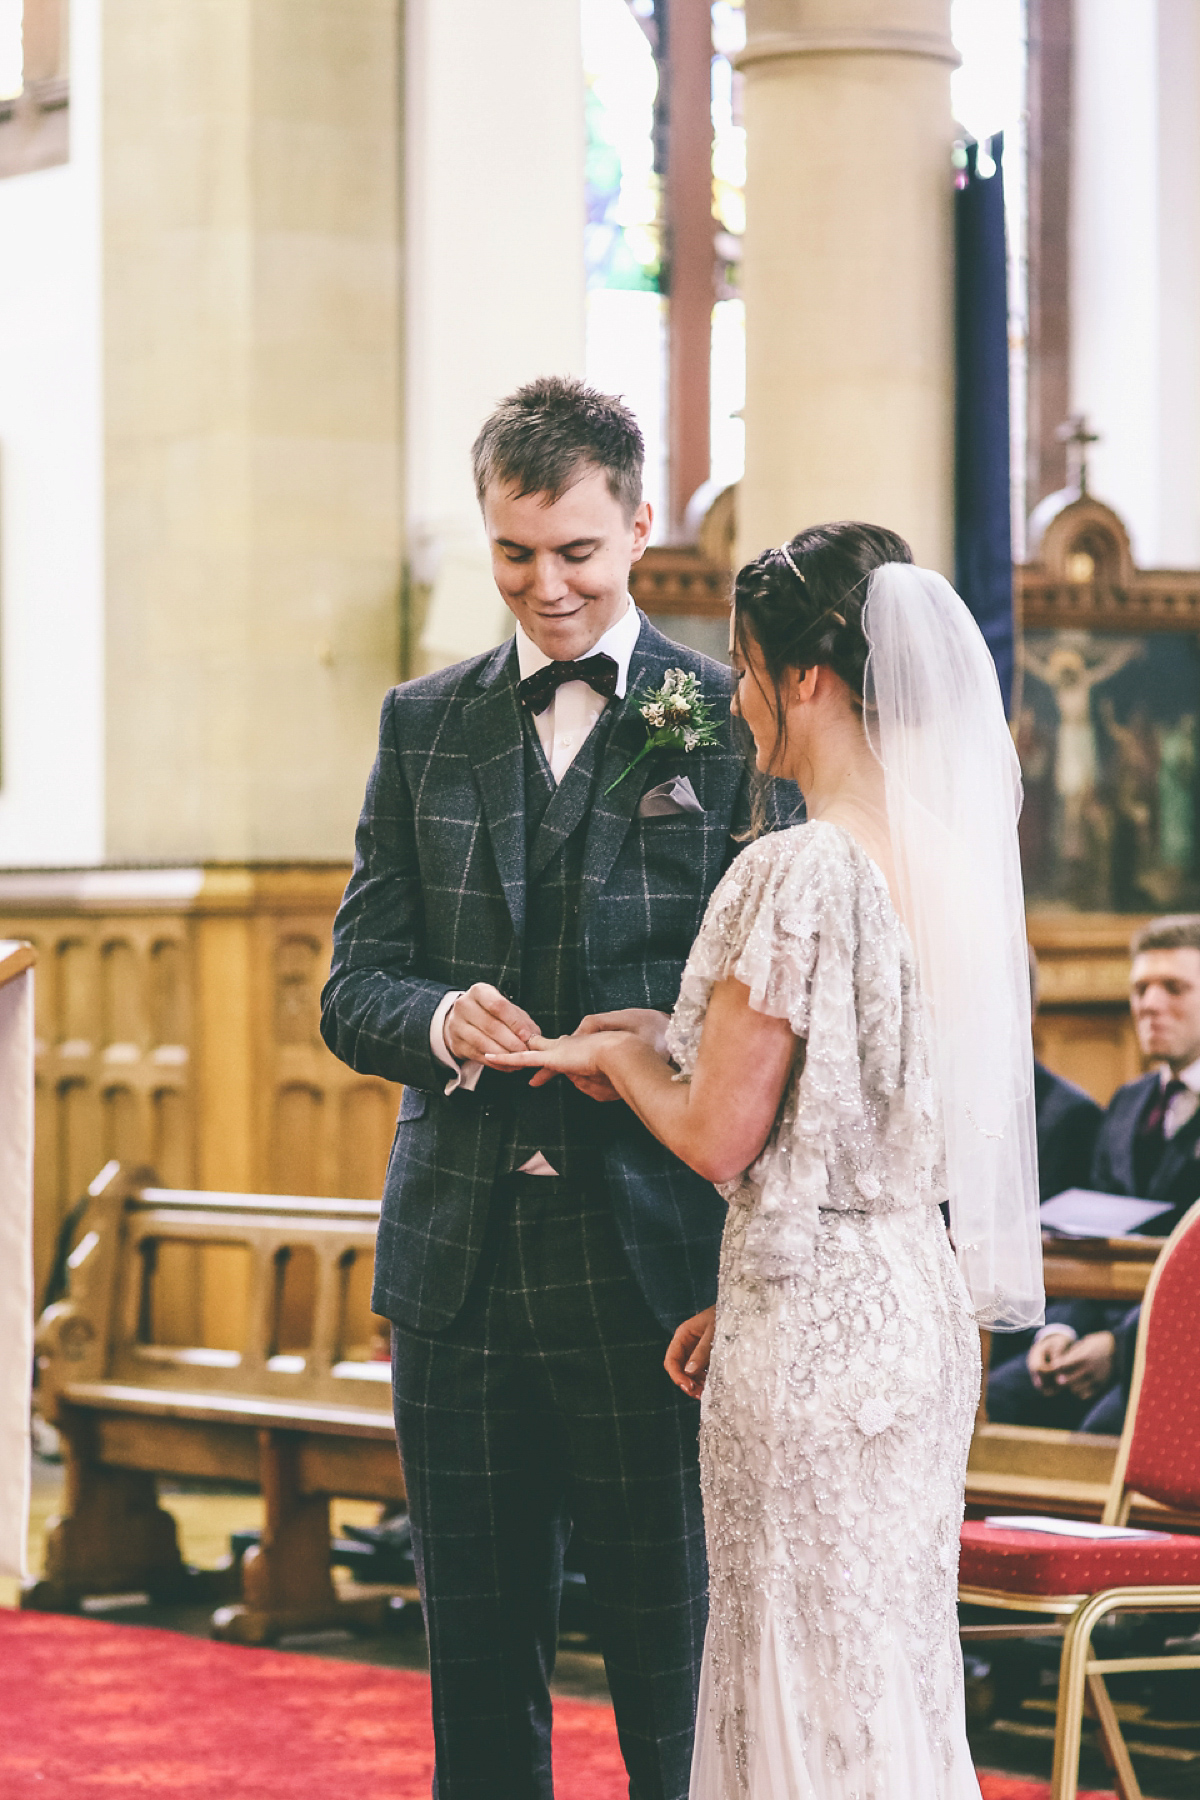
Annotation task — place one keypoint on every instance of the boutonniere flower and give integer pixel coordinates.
(677, 716)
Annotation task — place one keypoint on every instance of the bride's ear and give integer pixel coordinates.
(803, 684)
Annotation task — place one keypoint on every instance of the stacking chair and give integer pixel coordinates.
(1075, 1582)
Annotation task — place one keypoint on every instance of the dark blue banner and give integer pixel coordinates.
(982, 492)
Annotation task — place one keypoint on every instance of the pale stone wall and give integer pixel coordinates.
(848, 270)
(51, 490)
(495, 281)
(252, 375)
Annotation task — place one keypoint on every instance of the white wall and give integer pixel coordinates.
(1135, 301)
(51, 491)
(495, 280)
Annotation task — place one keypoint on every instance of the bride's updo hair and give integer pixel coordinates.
(802, 604)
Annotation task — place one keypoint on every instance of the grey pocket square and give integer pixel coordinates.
(674, 796)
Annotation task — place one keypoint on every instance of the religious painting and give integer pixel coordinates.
(1106, 733)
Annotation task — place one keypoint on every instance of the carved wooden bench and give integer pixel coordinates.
(1018, 1468)
(282, 1393)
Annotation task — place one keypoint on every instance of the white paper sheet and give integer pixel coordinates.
(1070, 1528)
(16, 1261)
(1084, 1213)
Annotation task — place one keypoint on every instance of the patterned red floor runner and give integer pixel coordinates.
(91, 1711)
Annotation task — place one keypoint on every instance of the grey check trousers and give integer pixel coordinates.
(544, 1405)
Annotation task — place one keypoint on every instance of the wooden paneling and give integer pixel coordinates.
(178, 1027)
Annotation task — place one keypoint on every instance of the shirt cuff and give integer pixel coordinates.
(464, 1074)
(1067, 1331)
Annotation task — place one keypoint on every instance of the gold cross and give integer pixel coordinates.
(1075, 435)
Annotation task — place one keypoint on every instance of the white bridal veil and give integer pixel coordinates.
(936, 721)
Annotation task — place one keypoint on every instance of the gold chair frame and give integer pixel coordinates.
(1082, 1676)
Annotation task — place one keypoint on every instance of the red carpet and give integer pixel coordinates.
(91, 1711)
(1011, 1787)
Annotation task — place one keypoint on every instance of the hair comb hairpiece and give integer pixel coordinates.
(788, 559)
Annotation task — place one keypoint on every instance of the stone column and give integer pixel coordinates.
(252, 388)
(495, 277)
(1135, 275)
(848, 270)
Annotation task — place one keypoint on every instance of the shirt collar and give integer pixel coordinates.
(619, 642)
(1190, 1076)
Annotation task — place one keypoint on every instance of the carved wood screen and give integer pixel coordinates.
(177, 1027)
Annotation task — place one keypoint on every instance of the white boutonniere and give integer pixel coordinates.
(677, 716)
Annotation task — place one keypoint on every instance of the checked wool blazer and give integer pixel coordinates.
(437, 901)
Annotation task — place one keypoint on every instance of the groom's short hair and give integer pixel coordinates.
(543, 438)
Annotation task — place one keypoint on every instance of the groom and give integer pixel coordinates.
(536, 1247)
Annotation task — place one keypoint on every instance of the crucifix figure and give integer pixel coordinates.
(1075, 435)
(1072, 666)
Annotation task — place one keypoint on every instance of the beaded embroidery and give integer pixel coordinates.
(845, 1367)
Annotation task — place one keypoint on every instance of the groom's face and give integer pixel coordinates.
(563, 565)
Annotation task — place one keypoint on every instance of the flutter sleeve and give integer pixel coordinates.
(784, 922)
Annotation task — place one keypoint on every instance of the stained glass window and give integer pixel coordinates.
(626, 312)
(622, 244)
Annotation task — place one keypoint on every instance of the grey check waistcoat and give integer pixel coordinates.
(555, 1119)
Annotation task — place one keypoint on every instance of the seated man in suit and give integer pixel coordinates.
(1076, 1375)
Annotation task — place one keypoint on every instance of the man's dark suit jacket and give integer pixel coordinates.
(1176, 1179)
(1067, 1123)
(436, 901)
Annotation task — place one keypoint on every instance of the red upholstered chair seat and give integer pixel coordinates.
(1034, 1562)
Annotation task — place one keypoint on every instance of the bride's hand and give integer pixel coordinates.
(642, 1021)
(686, 1361)
(578, 1057)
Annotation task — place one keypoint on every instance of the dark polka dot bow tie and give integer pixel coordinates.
(538, 690)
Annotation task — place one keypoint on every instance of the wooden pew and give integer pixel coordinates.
(1018, 1468)
(287, 1397)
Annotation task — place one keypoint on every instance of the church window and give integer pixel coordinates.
(626, 312)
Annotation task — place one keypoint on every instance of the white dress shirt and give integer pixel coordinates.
(1181, 1107)
(562, 729)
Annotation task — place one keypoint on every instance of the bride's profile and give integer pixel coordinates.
(850, 1051)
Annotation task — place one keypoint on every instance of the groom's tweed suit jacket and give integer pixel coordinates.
(437, 900)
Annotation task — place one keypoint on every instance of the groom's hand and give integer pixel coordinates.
(482, 1023)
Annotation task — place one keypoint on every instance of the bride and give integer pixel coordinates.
(850, 1049)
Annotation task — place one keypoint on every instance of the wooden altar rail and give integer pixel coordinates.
(1019, 1468)
(290, 1401)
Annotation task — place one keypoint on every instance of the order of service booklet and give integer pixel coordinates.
(1084, 1213)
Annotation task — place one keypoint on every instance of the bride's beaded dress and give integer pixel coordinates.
(845, 1368)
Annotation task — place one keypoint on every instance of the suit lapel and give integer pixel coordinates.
(1175, 1157)
(1125, 1141)
(496, 747)
(612, 813)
